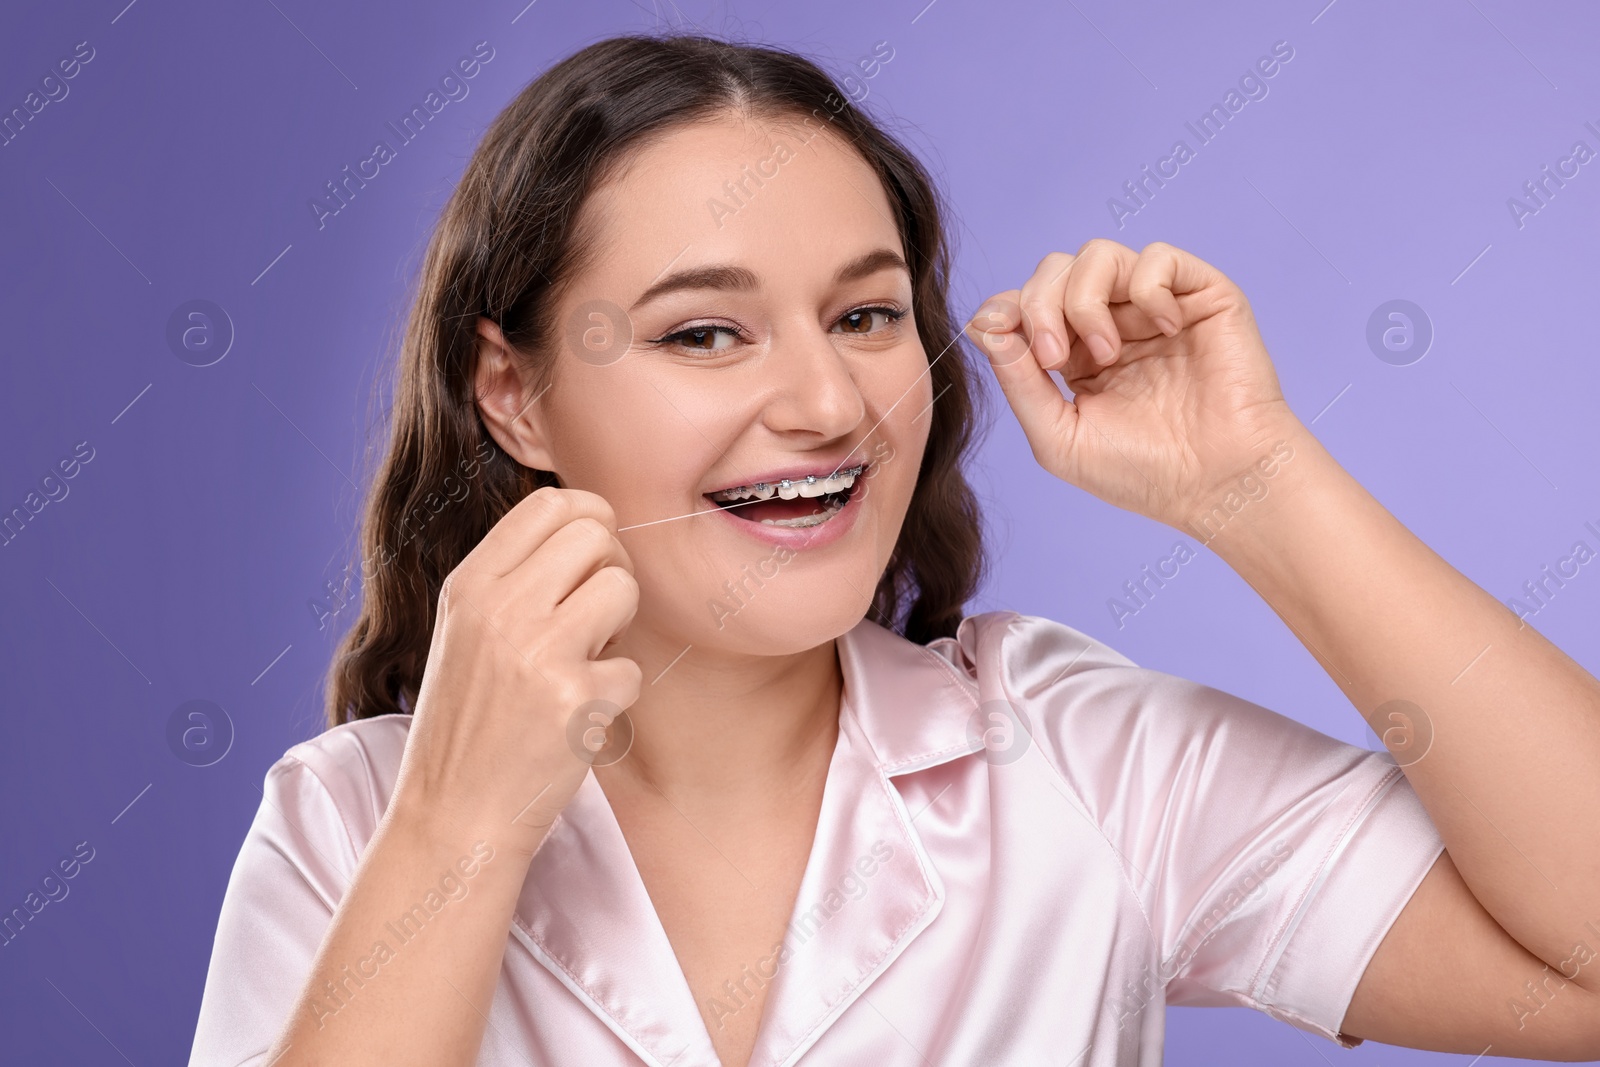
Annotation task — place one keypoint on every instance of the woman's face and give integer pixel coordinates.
(761, 277)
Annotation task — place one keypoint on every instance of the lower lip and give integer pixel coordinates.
(803, 537)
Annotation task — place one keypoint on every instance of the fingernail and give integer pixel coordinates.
(1047, 349)
(1165, 326)
(1099, 347)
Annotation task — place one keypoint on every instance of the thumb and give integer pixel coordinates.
(1002, 330)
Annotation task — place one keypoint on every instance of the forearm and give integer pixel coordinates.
(1512, 775)
(408, 966)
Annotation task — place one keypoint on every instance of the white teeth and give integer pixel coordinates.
(805, 520)
(809, 486)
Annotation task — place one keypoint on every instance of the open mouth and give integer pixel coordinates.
(793, 502)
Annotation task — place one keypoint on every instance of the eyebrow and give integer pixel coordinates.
(741, 279)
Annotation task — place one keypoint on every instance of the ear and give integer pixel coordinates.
(508, 400)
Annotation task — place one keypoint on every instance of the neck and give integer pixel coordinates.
(714, 724)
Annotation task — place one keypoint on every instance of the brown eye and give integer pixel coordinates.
(861, 319)
(701, 338)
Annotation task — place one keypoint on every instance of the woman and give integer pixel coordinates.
(678, 431)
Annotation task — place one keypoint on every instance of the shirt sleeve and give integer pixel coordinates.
(294, 866)
(1269, 858)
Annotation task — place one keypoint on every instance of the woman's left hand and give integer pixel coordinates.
(1164, 415)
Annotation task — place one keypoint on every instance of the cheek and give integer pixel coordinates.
(629, 445)
(899, 398)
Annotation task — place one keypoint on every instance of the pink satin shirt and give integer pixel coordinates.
(1028, 847)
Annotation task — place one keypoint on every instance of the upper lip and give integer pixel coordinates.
(798, 471)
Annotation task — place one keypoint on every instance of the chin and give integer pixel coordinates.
(776, 629)
(773, 609)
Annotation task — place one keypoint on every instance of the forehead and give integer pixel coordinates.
(778, 196)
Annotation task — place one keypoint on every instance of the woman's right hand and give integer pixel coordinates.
(519, 625)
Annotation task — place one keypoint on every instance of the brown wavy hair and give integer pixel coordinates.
(507, 243)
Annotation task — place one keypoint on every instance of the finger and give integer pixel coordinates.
(530, 523)
(1002, 329)
(617, 679)
(1051, 337)
(567, 559)
(1134, 326)
(1099, 277)
(997, 327)
(597, 611)
(1030, 391)
(1161, 271)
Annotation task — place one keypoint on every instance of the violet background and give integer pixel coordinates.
(220, 503)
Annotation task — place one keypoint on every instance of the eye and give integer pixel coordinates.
(860, 320)
(700, 338)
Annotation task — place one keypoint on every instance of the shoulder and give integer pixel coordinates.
(1006, 642)
(1095, 715)
(347, 772)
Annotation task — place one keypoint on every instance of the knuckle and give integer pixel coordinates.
(1100, 246)
(630, 584)
(547, 500)
(1054, 260)
(594, 533)
(594, 504)
(1156, 248)
(1084, 307)
(1144, 289)
(566, 694)
(1038, 306)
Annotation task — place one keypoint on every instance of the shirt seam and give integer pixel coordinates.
(1083, 809)
(1272, 961)
(349, 838)
(950, 679)
(1280, 933)
(897, 805)
(590, 993)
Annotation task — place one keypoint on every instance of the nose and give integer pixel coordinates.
(813, 389)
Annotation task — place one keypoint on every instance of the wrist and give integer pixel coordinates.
(1306, 496)
(1282, 460)
(444, 833)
